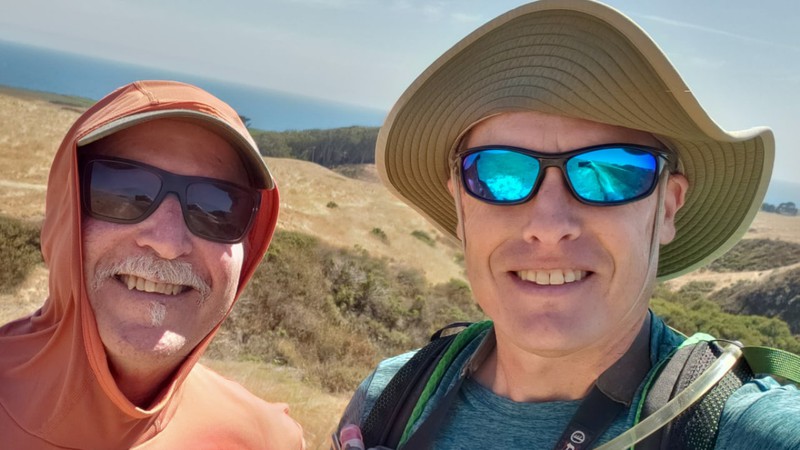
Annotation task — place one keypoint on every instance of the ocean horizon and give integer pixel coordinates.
(41, 69)
(47, 70)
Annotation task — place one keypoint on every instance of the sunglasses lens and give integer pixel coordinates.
(120, 191)
(612, 175)
(500, 176)
(127, 192)
(219, 212)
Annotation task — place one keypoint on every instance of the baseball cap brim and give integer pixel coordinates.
(251, 157)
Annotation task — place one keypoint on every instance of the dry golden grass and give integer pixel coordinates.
(28, 297)
(307, 189)
(764, 226)
(31, 130)
(775, 226)
(317, 411)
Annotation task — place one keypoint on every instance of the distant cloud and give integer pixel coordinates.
(333, 4)
(466, 18)
(707, 62)
(740, 37)
(401, 5)
(433, 10)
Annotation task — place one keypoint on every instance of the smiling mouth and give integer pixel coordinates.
(145, 285)
(551, 277)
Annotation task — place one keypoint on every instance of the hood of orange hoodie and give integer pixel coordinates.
(54, 376)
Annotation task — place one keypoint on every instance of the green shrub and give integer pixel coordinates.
(332, 204)
(380, 234)
(757, 254)
(777, 296)
(20, 251)
(692, 312)
(335, 313)
(424, 237)
(459, 259)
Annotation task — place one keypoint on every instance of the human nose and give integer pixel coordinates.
(164, 231)
(551, 215)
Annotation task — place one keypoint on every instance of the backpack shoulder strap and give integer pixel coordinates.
(697, 427)
(773, 361)
(699, 369)
(386, 421)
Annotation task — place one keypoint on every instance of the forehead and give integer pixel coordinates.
(551, 133)
(177, 146)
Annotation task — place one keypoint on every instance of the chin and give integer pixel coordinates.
(146, 344)
(550, 335)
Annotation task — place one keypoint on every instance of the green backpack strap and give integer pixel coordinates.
(462, 339)
(773, 361)
(697, 427)
(390, 417)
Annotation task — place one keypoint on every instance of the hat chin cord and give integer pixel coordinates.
(652, 259)
(455, 180)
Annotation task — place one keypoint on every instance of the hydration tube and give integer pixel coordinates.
(679, 403)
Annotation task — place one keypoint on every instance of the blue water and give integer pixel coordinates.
(72, 74)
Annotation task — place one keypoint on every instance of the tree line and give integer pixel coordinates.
(786, 208)
(329, 147)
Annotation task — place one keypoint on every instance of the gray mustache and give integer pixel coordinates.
(156, 269)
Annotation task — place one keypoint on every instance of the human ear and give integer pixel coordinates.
(674, 198)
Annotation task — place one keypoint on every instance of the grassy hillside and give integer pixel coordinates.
(354, 275)
(757, 255)
(778, 296)
(334, 313)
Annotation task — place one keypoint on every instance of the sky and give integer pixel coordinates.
(741, 58)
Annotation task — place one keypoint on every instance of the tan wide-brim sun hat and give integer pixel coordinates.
(580, 59)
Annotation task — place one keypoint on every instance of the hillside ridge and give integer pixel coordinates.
(342, 211)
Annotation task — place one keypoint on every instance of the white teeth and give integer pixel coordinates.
(551, 277)
(542, 278)
(142, 284)
(556, 277)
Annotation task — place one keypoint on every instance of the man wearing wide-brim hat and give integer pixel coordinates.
(563, 150)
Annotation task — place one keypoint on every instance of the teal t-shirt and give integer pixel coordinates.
(480, 416)
(761, 415)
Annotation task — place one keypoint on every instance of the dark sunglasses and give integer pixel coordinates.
(124, 191)
(604, 175)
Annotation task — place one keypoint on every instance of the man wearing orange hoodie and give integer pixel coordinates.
(159, 208)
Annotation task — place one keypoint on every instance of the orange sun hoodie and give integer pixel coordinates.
(56, 390)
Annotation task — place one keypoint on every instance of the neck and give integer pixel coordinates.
(522, 376)
(140, 384)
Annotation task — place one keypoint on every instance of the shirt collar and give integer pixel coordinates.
(619, 382)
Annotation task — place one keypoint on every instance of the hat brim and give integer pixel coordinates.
(580, 59)
(251, 157)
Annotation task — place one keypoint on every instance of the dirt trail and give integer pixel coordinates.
(19, 185)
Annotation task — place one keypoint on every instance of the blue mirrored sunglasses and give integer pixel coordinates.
(605, 175)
